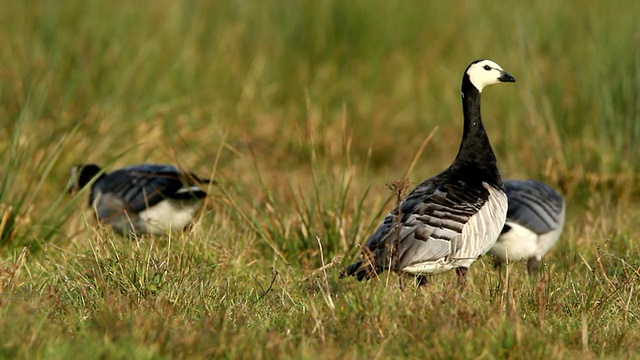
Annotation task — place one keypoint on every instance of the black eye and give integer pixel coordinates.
(487, 67)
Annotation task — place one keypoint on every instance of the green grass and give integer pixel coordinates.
(304, 111)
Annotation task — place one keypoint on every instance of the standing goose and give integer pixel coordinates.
(448, 221)
(534, 223)
(146, 198)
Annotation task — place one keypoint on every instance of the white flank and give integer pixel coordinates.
(519, 243)
(168, 215)
(479, 234)
(546, 241)
(430, 267)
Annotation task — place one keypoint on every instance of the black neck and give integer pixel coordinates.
(475, 156)
(87, 173)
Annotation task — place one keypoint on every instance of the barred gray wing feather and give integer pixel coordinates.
(143, 187)
(430, 222)
(151, 168)
(188, 178)
(534, 205)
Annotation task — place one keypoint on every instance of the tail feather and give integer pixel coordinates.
(201, 180)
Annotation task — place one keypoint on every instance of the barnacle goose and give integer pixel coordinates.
(138, 199)
(450, 220)
(535, 218)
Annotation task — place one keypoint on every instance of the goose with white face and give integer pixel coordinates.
(486, 72)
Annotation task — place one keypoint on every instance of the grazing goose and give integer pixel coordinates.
(146, 198)
(448, 221)
(534, 222)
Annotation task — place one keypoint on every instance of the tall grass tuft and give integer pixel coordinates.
(27, 167)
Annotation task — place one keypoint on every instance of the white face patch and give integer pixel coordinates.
(484, 73)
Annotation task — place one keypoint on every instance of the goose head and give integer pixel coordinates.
(485, 72)
(80, 175)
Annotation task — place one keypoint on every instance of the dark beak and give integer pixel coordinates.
(72, 187)
(505, 77)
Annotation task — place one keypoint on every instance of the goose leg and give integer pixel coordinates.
(461, 272)
(497, 263)
(422, 280)
(533, 265)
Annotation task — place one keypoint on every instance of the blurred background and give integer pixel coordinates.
(304, 110)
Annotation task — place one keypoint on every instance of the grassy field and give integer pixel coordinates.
(304, 111)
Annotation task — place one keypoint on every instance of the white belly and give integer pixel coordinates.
(519, 243)
(168, 215)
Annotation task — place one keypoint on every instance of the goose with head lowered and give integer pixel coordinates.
(534, 223)
(451, 219)
(139, 199)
